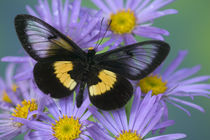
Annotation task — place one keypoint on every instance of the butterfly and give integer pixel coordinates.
(62, 66)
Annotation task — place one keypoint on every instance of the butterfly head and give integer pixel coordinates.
(91, 51)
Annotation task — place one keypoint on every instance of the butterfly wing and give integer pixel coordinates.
(134, 61)
(58, 70)
(108, 90)
(59, 78)
(43, 42)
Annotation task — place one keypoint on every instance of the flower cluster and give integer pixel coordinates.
(26, 110)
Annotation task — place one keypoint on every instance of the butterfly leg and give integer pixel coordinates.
(79, 96)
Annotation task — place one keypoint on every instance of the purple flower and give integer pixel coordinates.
(70, 20)
(67, 121)
(134, 17)
(144, 117)
(22, 98)
(172, 84)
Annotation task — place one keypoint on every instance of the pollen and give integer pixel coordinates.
(22, 110)
(6, 98)
(14, 87)
(128, 135)
(122, 22)
(154, 83)
(66, 128)
(91, 48)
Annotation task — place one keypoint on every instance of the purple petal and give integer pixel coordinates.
(9, 74)
(47, 13)
(187, 103)
(15, 59)
(118, 120)
(146, 17)
(75, 11)
(25, 75)
(112, 5)
(13, 97)
(168, 137)
(135, 3)
(153, 30)
(153, 122)
(36, 125)
(117, 42)
(107, 43)
(182, 76)
(129, 39)
(2, 85)
(135, 106)
(10, 134)
(65, 15)
(113, 123)
(55, 9)
(36, 135)
(119, 4)
(103, 121)
(195, 80)
(144, 109)
(31, 11)
(101, 5)
(83, 108)
(148, 34)
(180, 107)
(164, 124)
(174, 64)
(128, 4)
(52, 107)
(148, 118)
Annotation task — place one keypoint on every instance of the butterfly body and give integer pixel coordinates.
(62, 66)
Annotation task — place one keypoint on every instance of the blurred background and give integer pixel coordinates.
(189, 30)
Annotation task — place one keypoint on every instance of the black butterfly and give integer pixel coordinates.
(62, 65)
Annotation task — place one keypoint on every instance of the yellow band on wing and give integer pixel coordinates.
(62, 69)
(108, 79)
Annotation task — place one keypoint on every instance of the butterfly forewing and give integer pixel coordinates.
(134, 61)
(42, 41)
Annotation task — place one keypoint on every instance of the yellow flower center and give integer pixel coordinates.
(5, 97)
(23, 110)
(128, 135)
(153, 83)
(14, 87)
(124, 21)
(66, 128)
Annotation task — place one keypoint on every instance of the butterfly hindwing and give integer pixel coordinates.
(108, 90)
(134, 61)
(59, 78)
(42, 41)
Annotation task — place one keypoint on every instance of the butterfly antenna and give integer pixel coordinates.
(99, 32)
(103, 35)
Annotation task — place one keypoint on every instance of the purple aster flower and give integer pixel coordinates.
(134, 17)
(172, 84)
(144, 117)
(67, 18)
(67, 121)
(21, 101)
